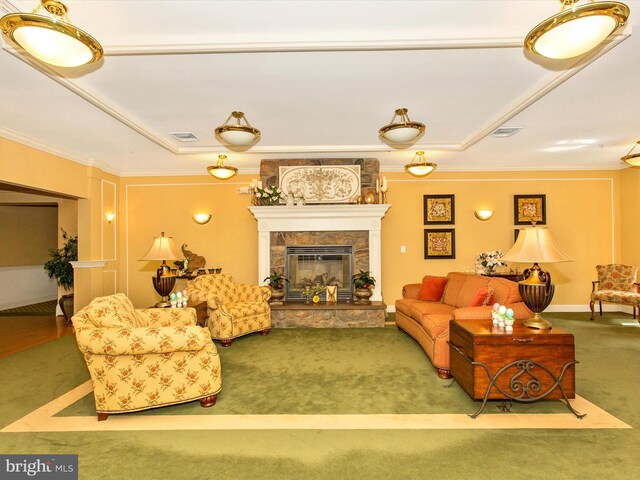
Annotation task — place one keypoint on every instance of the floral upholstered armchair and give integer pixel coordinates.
(148, 358)
(617, 284)
(233, 309)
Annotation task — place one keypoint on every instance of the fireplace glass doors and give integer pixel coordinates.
(319, 264)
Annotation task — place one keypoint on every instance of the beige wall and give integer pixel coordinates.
(27, 232)
(157, 205)
(585, 214)
(574, 200)
(630, 215)
(84, 193)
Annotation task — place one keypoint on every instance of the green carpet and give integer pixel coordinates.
(341, 371)
(43, 309)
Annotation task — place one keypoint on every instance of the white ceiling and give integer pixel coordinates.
(319, 78)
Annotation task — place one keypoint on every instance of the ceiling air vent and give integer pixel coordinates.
(184, 136)
(505, 131)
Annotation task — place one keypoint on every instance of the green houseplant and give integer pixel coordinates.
(363, 284)
(59, 266)
(276, 282)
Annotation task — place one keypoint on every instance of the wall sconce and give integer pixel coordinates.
(110, 217)
(483, 215)
(201, 218)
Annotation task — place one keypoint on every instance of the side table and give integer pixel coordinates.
(526, 365)
(201, 311)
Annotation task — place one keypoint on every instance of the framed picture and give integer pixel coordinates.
(439, 210)
(529, 209)
(439, 243)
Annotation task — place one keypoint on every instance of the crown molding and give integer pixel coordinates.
(45, 147)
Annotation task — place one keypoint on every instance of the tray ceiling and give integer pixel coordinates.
(319, 79)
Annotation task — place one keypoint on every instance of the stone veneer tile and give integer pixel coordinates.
(327, 318)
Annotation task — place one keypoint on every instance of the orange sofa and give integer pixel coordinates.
(428, 322)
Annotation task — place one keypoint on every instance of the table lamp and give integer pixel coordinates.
(534, 244)
(163, 249)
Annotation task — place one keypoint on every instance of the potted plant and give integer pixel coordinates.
(59, 266)
(276, 282)
(363, 284)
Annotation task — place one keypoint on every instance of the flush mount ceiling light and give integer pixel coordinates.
(576, 29)
(53, 40)
(222, 171)
(421, 167)
(632, 159)
(403, 131)
(237, 135)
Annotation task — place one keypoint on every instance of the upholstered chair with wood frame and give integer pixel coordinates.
(233, 309)
(616, 284)
(147, 358)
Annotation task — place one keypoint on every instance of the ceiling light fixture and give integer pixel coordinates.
(576, 29)
(237, 135)
(632, 159)
(420, 168)
(403, 131)
(53, 40)
(222, 171)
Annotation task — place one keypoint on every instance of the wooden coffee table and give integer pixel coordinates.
(526, 365)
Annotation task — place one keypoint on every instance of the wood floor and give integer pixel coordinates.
(21, 332)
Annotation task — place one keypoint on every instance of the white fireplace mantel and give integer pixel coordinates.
(321, 218)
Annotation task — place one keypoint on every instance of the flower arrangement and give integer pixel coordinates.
(309, 291)
(269, 195)
(488, 262)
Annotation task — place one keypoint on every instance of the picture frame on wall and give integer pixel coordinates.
(439, 243)
(439, 209)
(530, 209)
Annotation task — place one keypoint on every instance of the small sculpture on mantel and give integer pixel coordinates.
(194, 261)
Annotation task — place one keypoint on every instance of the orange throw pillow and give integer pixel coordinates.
(432, 288)
(484, 296)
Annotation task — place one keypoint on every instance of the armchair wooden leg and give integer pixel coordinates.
(226, 342)
(600, 307)
(102, 416)
(267, 330)
(591, 304)
(209, 401)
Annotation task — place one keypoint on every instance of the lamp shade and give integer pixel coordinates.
(221, 170)
(237, 134)
(576, 29)
(52, 40)
(163, 248)
(402, 131)
(632, 159)
(535, 245)
(419, 167)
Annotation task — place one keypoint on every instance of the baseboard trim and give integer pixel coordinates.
(28, 301)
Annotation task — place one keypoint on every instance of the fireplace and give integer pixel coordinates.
(318, 264)
(317, 221)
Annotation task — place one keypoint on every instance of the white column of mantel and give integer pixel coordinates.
(375, 260)
(264, 251)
